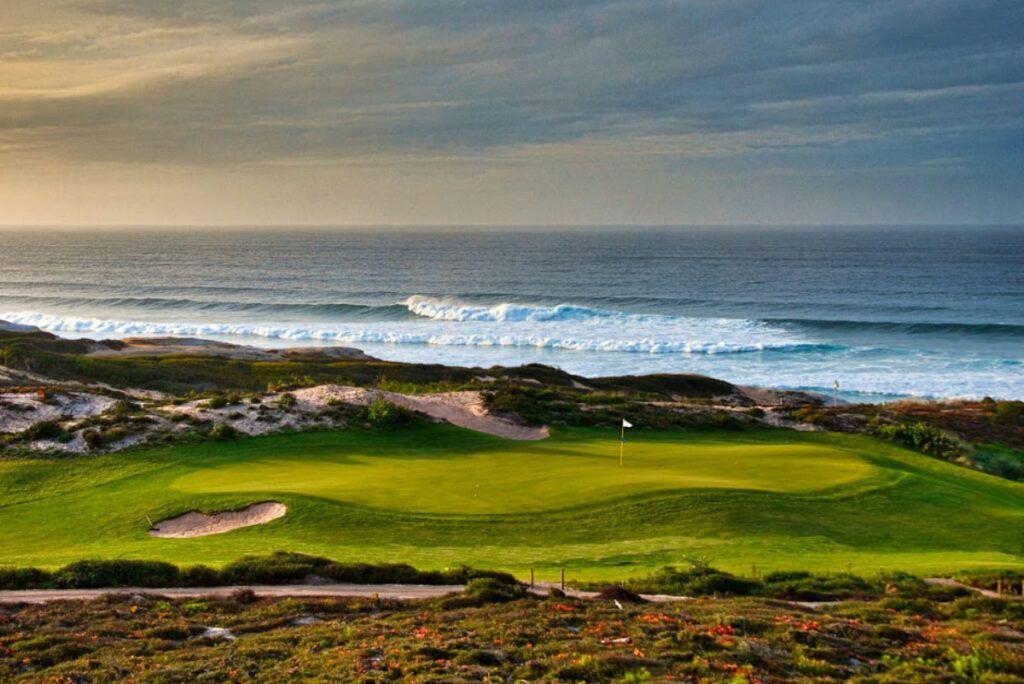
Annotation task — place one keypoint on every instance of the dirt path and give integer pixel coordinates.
(385, 591)
(947, 582)
(400, 592)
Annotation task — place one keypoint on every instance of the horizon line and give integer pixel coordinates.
(4, 226)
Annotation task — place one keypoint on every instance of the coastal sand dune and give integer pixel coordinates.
(196, 524)
(465, 409)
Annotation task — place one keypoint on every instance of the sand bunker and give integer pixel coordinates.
(196, 524)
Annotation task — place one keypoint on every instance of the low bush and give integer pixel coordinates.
(698, 580)
(220, 401)
(44, 429)
(277, 568)
(200, 576)
(620, 594)
(923, 437)
(90, 574)
(382, 413)
(818, 587)
(703, 580)
(223, 432)
(23, 578)
(483, 590)
(93, 439)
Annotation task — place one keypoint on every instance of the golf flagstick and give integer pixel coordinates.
(622, 437)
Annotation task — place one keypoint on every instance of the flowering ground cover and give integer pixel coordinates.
(135, 638)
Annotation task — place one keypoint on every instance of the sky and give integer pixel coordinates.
(511, 112)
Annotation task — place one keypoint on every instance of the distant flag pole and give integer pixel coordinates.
(622, 438)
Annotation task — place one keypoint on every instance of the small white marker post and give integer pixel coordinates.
(622, 438)
(835, 396)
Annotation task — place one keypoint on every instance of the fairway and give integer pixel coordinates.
(437, 496)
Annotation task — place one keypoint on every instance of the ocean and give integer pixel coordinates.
(889, 312)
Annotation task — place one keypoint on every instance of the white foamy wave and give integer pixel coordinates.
(740, 336)
(448, 310)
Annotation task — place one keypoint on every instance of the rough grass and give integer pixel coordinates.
(435, 496)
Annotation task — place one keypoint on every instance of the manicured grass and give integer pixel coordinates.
(438, 496)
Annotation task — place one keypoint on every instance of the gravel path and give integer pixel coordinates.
(401, 592)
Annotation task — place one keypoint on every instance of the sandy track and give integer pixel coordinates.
(398, 592)
(465, 409)
(947, 582)
(196, 524)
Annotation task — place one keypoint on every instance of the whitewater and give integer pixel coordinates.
(886, 312)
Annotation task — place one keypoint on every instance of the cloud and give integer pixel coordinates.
(241, 83)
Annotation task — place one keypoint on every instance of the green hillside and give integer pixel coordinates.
(437, 496)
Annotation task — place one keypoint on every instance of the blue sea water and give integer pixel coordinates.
(886, 311)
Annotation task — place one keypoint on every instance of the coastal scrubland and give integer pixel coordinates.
(490, 634)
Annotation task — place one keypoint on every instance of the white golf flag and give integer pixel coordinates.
(626, 423)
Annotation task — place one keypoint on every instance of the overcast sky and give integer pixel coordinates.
(511, 112)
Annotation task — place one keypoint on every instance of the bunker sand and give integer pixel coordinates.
(196, 524)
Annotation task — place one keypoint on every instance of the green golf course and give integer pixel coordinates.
(436, 496)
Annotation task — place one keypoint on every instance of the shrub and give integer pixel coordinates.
(200, 576)
(922, 437)
(483, 590)
(23, 578)
(278, 568)
(220, 401)
(93, 439)
(820, 588)
(90, 574)
(123, 409)
(1009, 413)
(114, 434)
(44, 429)
(365, 573)
(480, 657)
(382, 413)
(223, 432)
(698, 580)
(621, 594)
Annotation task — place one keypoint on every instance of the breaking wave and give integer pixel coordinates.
(707, 336)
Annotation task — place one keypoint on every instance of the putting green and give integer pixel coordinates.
(436, 496)
(532, 477)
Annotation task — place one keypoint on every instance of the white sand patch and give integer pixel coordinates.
(465, 409)
(196, 524)
(19, 411)
(244, 416)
